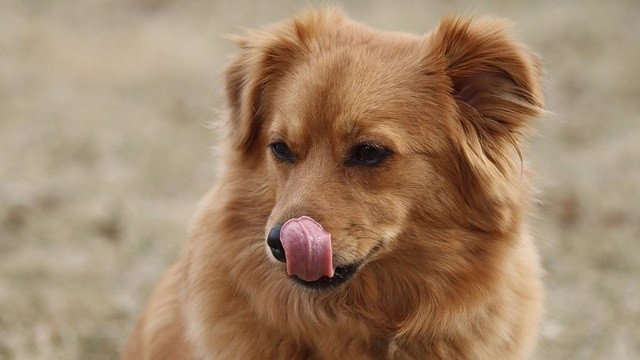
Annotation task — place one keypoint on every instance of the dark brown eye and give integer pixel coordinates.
(369, 155)
(282, 151)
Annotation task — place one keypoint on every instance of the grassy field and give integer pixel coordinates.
(105, 150)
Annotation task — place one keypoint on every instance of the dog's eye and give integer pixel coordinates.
(368, 155)
(282, 151)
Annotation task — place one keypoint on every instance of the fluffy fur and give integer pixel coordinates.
(449, 270)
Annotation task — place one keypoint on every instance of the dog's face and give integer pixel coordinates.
(347, 147)
(371, 139)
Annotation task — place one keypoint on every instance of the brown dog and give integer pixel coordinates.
(371, 205)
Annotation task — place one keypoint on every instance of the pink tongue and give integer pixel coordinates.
(307, 247)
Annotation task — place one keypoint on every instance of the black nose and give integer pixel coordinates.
(273, 240)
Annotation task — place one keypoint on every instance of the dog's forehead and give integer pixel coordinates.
(352, 93)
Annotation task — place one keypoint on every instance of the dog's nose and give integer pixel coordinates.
(273, 240)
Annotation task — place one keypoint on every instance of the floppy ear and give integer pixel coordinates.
(248, 78)
(496, 85)
(265, 57)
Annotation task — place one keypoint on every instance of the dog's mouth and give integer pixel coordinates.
(341, 275)
(307, 250)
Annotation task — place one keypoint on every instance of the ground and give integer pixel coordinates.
(106, 147)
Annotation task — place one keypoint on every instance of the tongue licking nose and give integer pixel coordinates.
(307, 247)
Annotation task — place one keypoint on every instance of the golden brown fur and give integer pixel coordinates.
(449, 271)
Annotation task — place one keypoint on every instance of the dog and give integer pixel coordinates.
(372, 202)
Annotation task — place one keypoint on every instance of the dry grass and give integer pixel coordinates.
(104, 153)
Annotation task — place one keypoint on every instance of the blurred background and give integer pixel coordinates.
(105, 149)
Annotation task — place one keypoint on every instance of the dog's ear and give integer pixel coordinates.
(496, 82)
(265, 58)
(248, 78)
(496, 85)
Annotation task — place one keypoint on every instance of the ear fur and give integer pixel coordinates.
(496, 85)
(265, 57)
(496, 81)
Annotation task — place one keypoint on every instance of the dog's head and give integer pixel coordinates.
(378, 145)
